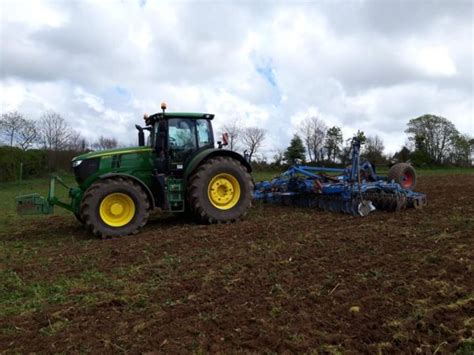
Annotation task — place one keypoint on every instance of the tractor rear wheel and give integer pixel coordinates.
(403, 174)
(114, 207)
(220, 190)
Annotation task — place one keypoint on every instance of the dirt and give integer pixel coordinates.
(284, 280)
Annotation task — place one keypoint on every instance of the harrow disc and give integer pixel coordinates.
(384, 201)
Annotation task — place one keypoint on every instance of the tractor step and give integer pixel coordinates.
(33, 204)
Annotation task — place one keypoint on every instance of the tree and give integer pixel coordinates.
(278, 157)
(373, 150)
(402, 156)
(333, 142)
(10, 125)
(55, 133)
(295, 152)
(313, 131)
(252, 139)
(18, 130)
(345, 153)
(432, 135)
(234, 131)
(463, 147)
(105, 143)
(76, 142)
(28, 134)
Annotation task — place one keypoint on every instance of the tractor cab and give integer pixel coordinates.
(176, 138)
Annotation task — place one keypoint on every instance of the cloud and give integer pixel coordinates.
(366, 65)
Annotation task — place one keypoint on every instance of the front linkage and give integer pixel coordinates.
(36, 204)
(357, 190)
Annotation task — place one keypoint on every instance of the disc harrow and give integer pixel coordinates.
(356, 190)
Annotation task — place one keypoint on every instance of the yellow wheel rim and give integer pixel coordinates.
(117, 209)
(224, 191)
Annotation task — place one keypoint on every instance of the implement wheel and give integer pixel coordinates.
(403, 174)
(114, 207)
(220, 190)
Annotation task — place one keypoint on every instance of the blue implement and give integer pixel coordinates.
(356, 190)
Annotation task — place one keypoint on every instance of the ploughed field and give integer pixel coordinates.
(283, 279)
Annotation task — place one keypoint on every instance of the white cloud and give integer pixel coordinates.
(102, 65)
(432, 60)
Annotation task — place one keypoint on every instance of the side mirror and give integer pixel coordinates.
(225, 139)
(224, 142)
(141, 136)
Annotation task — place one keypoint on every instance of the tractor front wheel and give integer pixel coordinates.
(79, 218)
(114, 207)
(220, 190)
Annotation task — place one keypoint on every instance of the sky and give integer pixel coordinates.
(360, 65)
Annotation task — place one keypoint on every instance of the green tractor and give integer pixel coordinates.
(177, 170)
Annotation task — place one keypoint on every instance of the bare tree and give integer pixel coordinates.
(105, 143)
(55, 133)
(373, 150)
(252, 139)
(18, 129)
(313, 132)
(76, 142)
(28, 134)
(278, 157)
(234, 130)
(10, 125)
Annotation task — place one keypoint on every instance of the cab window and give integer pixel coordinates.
(204, 133)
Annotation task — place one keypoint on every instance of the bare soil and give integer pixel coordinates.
(284, 280)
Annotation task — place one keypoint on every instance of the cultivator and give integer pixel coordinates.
(355, 190)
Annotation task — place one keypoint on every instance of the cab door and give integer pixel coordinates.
(182, 143)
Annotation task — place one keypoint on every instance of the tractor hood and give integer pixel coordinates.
(117, 151)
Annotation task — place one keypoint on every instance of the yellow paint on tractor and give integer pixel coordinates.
(224, 191)
(117, 209)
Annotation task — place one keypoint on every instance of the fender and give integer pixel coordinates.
(147, 190)
(211, 153)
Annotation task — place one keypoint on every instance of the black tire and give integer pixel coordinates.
(79, 218)
(199, 185)
(403, 174)
(97, 192)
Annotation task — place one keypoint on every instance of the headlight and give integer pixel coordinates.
(76, 163)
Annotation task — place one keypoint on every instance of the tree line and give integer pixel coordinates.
(34, 148)
(432, 141)
(51, 132)
(50, 142)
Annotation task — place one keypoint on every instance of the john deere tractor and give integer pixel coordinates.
(177, 170)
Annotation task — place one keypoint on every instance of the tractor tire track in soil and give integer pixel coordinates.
(285, 279)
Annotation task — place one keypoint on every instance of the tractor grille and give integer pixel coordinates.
(85, 169)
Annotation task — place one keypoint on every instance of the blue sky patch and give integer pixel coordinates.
(268, 74)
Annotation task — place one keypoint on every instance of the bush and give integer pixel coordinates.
(36, 162)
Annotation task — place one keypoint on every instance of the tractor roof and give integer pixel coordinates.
(156, 116)
(183, 115)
